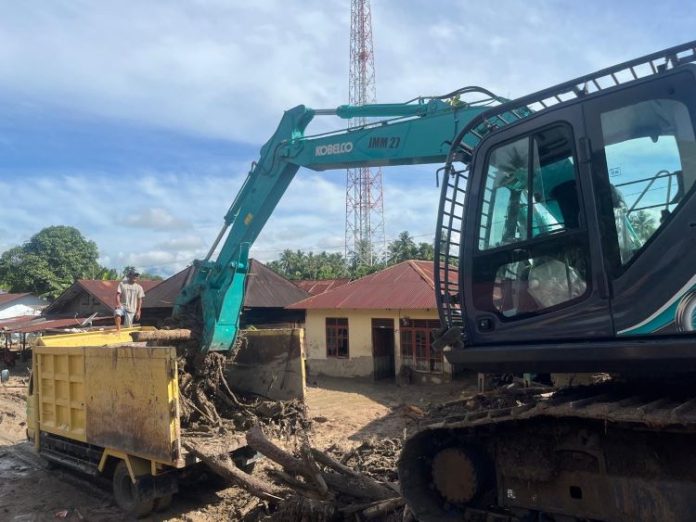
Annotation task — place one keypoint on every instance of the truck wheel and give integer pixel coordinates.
(126, 494)
(163, 503)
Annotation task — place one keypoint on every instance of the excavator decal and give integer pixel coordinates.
(676, 315)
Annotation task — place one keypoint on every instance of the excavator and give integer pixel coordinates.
(565, 243)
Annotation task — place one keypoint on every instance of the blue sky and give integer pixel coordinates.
(137, 121)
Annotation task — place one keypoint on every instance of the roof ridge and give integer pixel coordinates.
(420, 272)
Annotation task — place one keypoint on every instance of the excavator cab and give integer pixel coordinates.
(574, 240)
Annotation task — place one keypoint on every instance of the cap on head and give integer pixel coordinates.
(133, 273)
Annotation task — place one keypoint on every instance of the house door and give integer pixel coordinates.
(383, 348)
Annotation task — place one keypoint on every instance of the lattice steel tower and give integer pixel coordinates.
(365, 239)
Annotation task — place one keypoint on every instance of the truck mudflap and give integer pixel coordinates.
(157, 486)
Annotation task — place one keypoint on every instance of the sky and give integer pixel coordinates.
(137, 122)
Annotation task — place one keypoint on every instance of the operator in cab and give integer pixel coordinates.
(129, 300)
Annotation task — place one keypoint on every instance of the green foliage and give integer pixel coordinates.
(297, 264)
(49, 262)
(107, 274)
(643, 224)
(405, 248)
(143, 275)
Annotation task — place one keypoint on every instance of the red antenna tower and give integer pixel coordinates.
(365, 241)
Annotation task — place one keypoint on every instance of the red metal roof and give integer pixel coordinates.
(14, 322)
(267, 289)
(165, 293)
(8, 298)
(408, 285)
(264, 289)
(41, 325)
(319, 286)
(103, 291)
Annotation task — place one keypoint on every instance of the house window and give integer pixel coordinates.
(416, 345)
(337, 337)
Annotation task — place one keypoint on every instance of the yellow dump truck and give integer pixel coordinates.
(112, 411)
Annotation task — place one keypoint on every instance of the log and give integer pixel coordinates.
(180, 334)
(258, 441)
(248, 508)
(304, 488)
(332, 463)
(311, 466)
(379, 509)
(222, 465)
(378, 489)
(358, 486)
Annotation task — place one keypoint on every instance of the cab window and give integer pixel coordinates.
(651, 165)
(529, 260)
(530, 189)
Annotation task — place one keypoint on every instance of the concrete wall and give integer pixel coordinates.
(270, 363)
(359, 362)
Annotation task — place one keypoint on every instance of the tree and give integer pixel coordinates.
(357, 265)
(49, 262)
(402, 249)
(425, 251)
(143, 275)
(643, 224)
(107, 274)
(297, 264)
(405, 248)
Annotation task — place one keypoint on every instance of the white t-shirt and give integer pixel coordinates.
(130, 294)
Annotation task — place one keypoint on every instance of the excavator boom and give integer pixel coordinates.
(420, 131)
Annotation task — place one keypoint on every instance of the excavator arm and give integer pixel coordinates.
(416, 132)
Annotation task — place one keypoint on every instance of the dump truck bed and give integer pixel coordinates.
(124, 398)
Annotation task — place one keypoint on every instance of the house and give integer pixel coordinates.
(375, 325)
(266, 296)
(159, 302)
(16, 305)
(319, 286)
(88, 296)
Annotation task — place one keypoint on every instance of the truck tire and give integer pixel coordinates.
(126, 494)
(163, 503)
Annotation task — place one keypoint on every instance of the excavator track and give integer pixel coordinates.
(613, 451)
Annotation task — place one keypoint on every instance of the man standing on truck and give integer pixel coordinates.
(129, 299)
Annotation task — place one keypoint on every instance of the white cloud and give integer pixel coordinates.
(229, 69)
(155, 218)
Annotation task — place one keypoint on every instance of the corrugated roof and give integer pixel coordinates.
(267, 289)
(165, 293)
(41, 325)
(14, 322)
(103, 291)
(319, 286)
(408, 285)
(8, 298)
(264, 289)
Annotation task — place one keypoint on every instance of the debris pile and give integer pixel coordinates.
(209, 406)
(312, 485)
(306, 484)
(376, 458)
(509, 397)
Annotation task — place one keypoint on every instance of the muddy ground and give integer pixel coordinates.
(345, 413)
